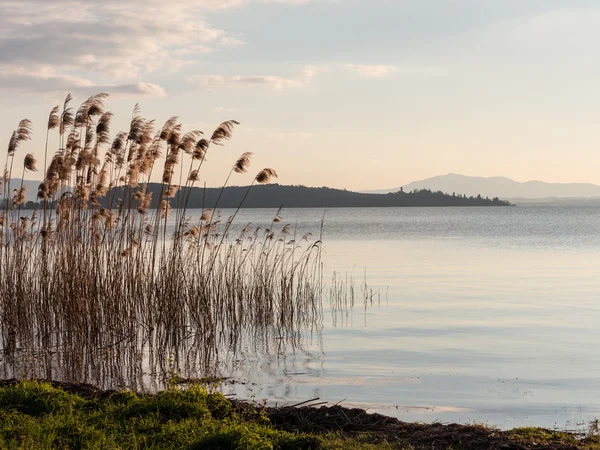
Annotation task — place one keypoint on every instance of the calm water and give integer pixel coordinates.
(486, 315)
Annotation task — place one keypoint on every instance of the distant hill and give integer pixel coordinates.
(32, 186)
(275, 195)
(502, 187)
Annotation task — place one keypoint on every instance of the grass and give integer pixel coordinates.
(591, 441)
(43, 415)
(35, 415)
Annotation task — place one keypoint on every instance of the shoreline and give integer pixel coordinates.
(198, 407)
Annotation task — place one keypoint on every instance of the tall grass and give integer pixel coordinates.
(95, 285)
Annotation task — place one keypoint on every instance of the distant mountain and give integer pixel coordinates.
(275, 195)
(15, 183)
(501, 187)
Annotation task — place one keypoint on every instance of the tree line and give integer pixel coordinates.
(275, 195)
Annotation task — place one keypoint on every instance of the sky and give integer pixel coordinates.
(355, 94)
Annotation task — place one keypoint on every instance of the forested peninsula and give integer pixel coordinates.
(275, 195)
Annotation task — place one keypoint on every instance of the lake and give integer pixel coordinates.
(487, 315)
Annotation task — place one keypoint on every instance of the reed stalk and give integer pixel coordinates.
(107, 283)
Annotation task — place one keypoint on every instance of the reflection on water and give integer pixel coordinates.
(470, 314)
(486, 315)
(91, 311)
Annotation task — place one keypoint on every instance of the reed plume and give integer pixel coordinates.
(19, 196)
(200, 150)
(265, 175)
(241, 165)
(98, 283)
(223, 132)
(21, 134)
(66, 117)
(30, 162)
(53, 118)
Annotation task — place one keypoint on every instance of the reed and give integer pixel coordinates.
(97, 286)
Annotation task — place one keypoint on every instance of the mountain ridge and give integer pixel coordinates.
(502, 187)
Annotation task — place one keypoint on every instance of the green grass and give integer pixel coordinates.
(35, 415)
(544, 436)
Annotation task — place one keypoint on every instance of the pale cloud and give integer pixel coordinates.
(116, 39)
(374, 71)
(119, 39)
(382, 71)
(230, 42)
(238, 81)
(139, 88)
(109, 41)
(423, 71)
(276, 82)
(308, 73)
(314, 70)
(196, 49)
(45, 80)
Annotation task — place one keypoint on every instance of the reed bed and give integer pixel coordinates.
(344, 296)
(99, 282)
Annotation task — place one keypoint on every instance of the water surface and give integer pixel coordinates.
(481, 315)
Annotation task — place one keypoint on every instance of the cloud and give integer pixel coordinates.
(382, 71)
(115, 37)
(238, 81)
(116, 42)
(230, 42)
(276, 82)
(45, 80)
(376, 71)
(139, 88)
(307, 74)
(313, 70)
(112, 41)
(119, 39)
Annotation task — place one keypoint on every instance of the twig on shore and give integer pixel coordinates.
(305, 402)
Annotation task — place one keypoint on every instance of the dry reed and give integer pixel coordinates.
(96, 286)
